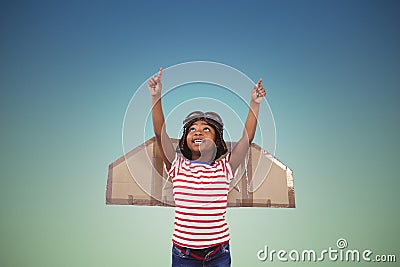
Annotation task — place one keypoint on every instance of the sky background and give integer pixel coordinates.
(70, 68)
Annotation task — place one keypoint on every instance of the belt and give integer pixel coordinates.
(201, 254)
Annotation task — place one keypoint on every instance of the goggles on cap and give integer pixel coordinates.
(203, 115)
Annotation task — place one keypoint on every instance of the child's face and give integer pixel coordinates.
(201, 138)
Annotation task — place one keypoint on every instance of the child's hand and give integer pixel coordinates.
(154, 84)
(258, 92)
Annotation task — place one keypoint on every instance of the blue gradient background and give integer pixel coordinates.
(69, 69)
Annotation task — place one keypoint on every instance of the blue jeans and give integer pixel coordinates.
(220, 259)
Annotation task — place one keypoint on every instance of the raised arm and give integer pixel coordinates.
(242, 146)
(163, 141)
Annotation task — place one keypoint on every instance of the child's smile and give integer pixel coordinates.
(201, 139)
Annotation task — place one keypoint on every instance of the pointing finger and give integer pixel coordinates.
(160, 74)
(259, 82)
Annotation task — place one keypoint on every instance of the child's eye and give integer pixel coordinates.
(192, 129)
(206, 129)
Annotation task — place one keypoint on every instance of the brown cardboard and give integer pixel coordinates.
(261, 181)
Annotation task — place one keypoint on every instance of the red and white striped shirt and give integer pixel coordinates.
(200, 193)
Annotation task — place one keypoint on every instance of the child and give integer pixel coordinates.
(201, 170)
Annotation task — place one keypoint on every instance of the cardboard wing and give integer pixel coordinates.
(139, 178)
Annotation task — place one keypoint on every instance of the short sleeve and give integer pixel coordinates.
(228, 168)
(174, 165)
